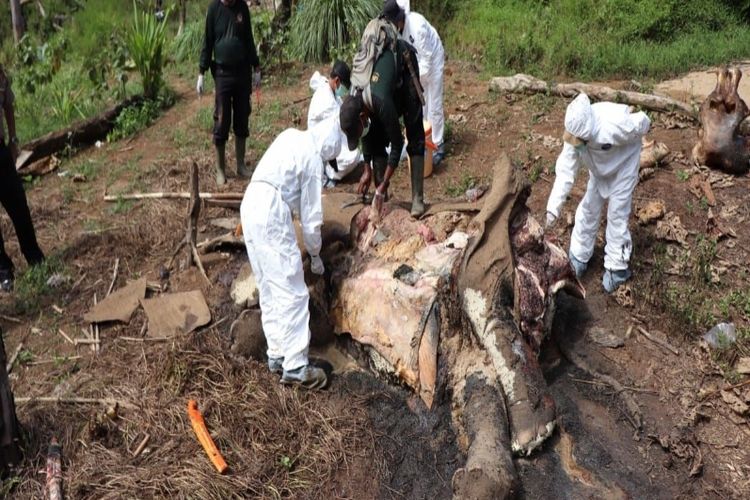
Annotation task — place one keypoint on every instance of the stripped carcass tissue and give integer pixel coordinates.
(720, 144)
(471, 284)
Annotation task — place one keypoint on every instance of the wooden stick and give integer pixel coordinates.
(144, 339)
(114, 277)
(163, 195)
(10, 318)
(49, 361)
(526, 84)
(80, 341)
(17, 351)
(96, 325)
(141, 446)
(197, 259)
(659, 342)
(58, 309)
(74, 400)
(66, 336)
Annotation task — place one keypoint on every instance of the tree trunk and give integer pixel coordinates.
(17, 19)
(525, 84)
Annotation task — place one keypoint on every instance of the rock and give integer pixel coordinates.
(246, 336)
(650, 212)
(735, 403)
(244, 291)
(606, 338)
(743, 366)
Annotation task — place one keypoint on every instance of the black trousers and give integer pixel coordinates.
(232, 105)
(13, 199)
(411, 109)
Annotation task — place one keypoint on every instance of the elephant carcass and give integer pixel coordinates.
(720, 144)
(476, 289)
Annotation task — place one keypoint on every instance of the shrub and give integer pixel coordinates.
(321, 26)
(146, 40)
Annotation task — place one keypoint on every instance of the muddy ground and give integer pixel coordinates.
(365, 438)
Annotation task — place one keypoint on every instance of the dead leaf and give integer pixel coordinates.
(41, 167)
(624, 296)
(652, 153)
(176, 313)
(735, 403)
(701, 188)
(120, 305)
(650, 212)
(715, 229)
(743, 366)
(671, 229)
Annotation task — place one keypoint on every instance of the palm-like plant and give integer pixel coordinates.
(146, 40)
(320, 27)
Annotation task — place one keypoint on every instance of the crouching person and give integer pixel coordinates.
(606, 139)
(288, 179)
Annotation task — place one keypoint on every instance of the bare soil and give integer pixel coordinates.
(365, 438)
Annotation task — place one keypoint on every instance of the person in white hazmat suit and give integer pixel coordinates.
(325, 103)
(431, 58)
(606, 138)
(288, 179)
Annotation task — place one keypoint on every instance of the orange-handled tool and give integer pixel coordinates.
(199, 426)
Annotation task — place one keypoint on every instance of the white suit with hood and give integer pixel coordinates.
(431, 59)
(288, 179)
(612, 155)
(325, 104)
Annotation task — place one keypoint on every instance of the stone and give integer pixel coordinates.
(606, 338)
(244, 290)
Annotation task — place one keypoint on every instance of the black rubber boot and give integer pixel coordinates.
(417, 186)
(239, 150)
(221, 164)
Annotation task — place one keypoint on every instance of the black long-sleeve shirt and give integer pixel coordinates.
(228, 37)
(383, 87)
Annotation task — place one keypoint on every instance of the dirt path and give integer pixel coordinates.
(404, 451)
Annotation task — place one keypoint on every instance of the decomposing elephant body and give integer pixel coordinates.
(720, 143)
(471, 286)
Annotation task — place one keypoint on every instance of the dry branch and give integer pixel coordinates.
(164, 195)
(526, 84)
(114, 277)
(73, 400)
(13, 357)
(141, 446)
(658, 341)
(65, 335)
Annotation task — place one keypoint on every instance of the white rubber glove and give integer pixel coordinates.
(316, 265)
(551, 218)
(199, 85)
(256, 79)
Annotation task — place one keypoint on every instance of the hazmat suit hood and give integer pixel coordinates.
(579, 118)
(328, 137)
(404, 4)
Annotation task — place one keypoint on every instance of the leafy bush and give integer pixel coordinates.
(187, 45)
(137, 117)
(321, 26)
(146, 40)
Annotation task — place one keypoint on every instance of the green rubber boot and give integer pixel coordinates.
(417, 186)
(239, 150)
(221, 164)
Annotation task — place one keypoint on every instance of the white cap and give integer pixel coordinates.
(579, 119)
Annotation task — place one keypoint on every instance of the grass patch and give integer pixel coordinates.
(138, 117)
(596, 39)
(31, 286)
(457, 189)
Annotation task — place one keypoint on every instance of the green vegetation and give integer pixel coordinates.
(136, 118)
(592, 38)
(146, 40)
(319, 27)
(455, 190)
(32, 285)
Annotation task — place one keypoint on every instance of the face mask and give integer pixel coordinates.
(341, 91)
(580, 148)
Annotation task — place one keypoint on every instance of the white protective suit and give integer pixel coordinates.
(325, 104)
(612, 156)
(288, 178)
(431, 58)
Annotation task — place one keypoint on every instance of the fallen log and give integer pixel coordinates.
(163, 195)
(526, 84)
(78, 134)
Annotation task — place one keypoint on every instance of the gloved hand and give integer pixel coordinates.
(378, 199)
(199, 85)
(256, 79)
(551, 218)
(316, 264)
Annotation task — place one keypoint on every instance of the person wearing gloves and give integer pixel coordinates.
(431, 57)
(288, 179)
(229, 52)
(606, 138)
(325, 103)
(392, 94)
